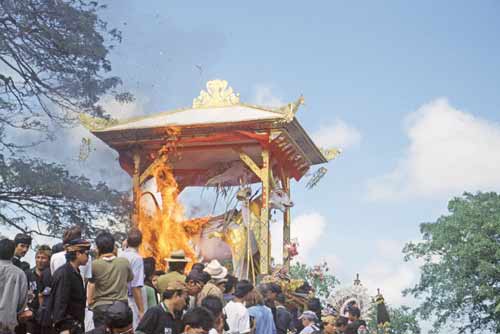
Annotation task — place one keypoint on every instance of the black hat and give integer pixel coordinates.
(196, 276)
(118, 315)
(243, 288)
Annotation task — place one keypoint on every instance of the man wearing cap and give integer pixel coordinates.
(194, 284)
(23, 243)
(68, 292)
(309, 319)
(176, 267)
(162, 319)
(216, 285)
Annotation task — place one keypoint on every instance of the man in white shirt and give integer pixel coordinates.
(136, 298)
(238, 318)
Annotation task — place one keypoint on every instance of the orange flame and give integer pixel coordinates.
(168, 230)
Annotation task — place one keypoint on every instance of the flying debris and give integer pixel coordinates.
(316, 177)
(200, 68)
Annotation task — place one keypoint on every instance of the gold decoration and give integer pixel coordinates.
(218, 94)
(288, 111)
(331, 153)
(95, 123)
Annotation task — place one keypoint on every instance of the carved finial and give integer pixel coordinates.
(218, 94)
(357, 281)
(331, 153)
(291, 109)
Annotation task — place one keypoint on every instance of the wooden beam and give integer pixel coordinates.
(265, 245)
(287, 220)
(251, 164)
(136, 187)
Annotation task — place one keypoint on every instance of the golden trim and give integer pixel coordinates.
(218, 94)
(330, 153)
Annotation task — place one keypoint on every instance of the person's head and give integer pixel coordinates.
(308, 318)
(154, 278)
(72, 233)
(118, 318)
(230, 284)
(105, 243)
(179, 267)
(281, 299)
(42, 257)
(177, 261)
(198, 266)
(215, 305)
(315, 305)
(77, 252)
(254, 298)
(149, 269)
(22, 242)
(243, 289)
(269, 291)
(175, 295)
(206, 277)
(341, 324)
(134, 238)
(57, 248)
(7, 248)
(329, 325)
(353, 314)
(198, 320)
(194, 282)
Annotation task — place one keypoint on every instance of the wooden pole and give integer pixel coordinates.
(136, 187)
(265, 249)
(287, 221)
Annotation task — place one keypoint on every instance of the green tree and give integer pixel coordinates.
(53, 66)
(403, 320)
(460, 275)
(319, 277)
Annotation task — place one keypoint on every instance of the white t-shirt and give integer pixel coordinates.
(238, 318)
(59, 259)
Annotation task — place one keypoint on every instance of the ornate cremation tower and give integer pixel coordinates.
(218, 129)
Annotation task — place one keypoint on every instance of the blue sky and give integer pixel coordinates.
(377, 69)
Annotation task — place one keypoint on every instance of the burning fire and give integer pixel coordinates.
(168, 230)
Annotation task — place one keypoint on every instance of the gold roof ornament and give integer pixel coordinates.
(331, 153)
(218, 94)
(288, 111)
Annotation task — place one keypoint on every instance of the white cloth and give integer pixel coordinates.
(59, 259)
(309, 329)
(238, 318)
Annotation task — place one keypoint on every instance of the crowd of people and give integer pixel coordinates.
(72, 289)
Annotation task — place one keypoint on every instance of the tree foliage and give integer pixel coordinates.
(42, 198)
(319, 277)
(53, 62)
(53, 66)
(403, 320)
(460, 278)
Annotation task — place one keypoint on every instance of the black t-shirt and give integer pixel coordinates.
(157, 319)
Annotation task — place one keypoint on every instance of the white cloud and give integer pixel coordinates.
(450, 151)
(387, 271)
(306, 228)
(337, 134)
(264, 96)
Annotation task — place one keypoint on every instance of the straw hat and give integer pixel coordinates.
(216, 270)
(177, 256)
